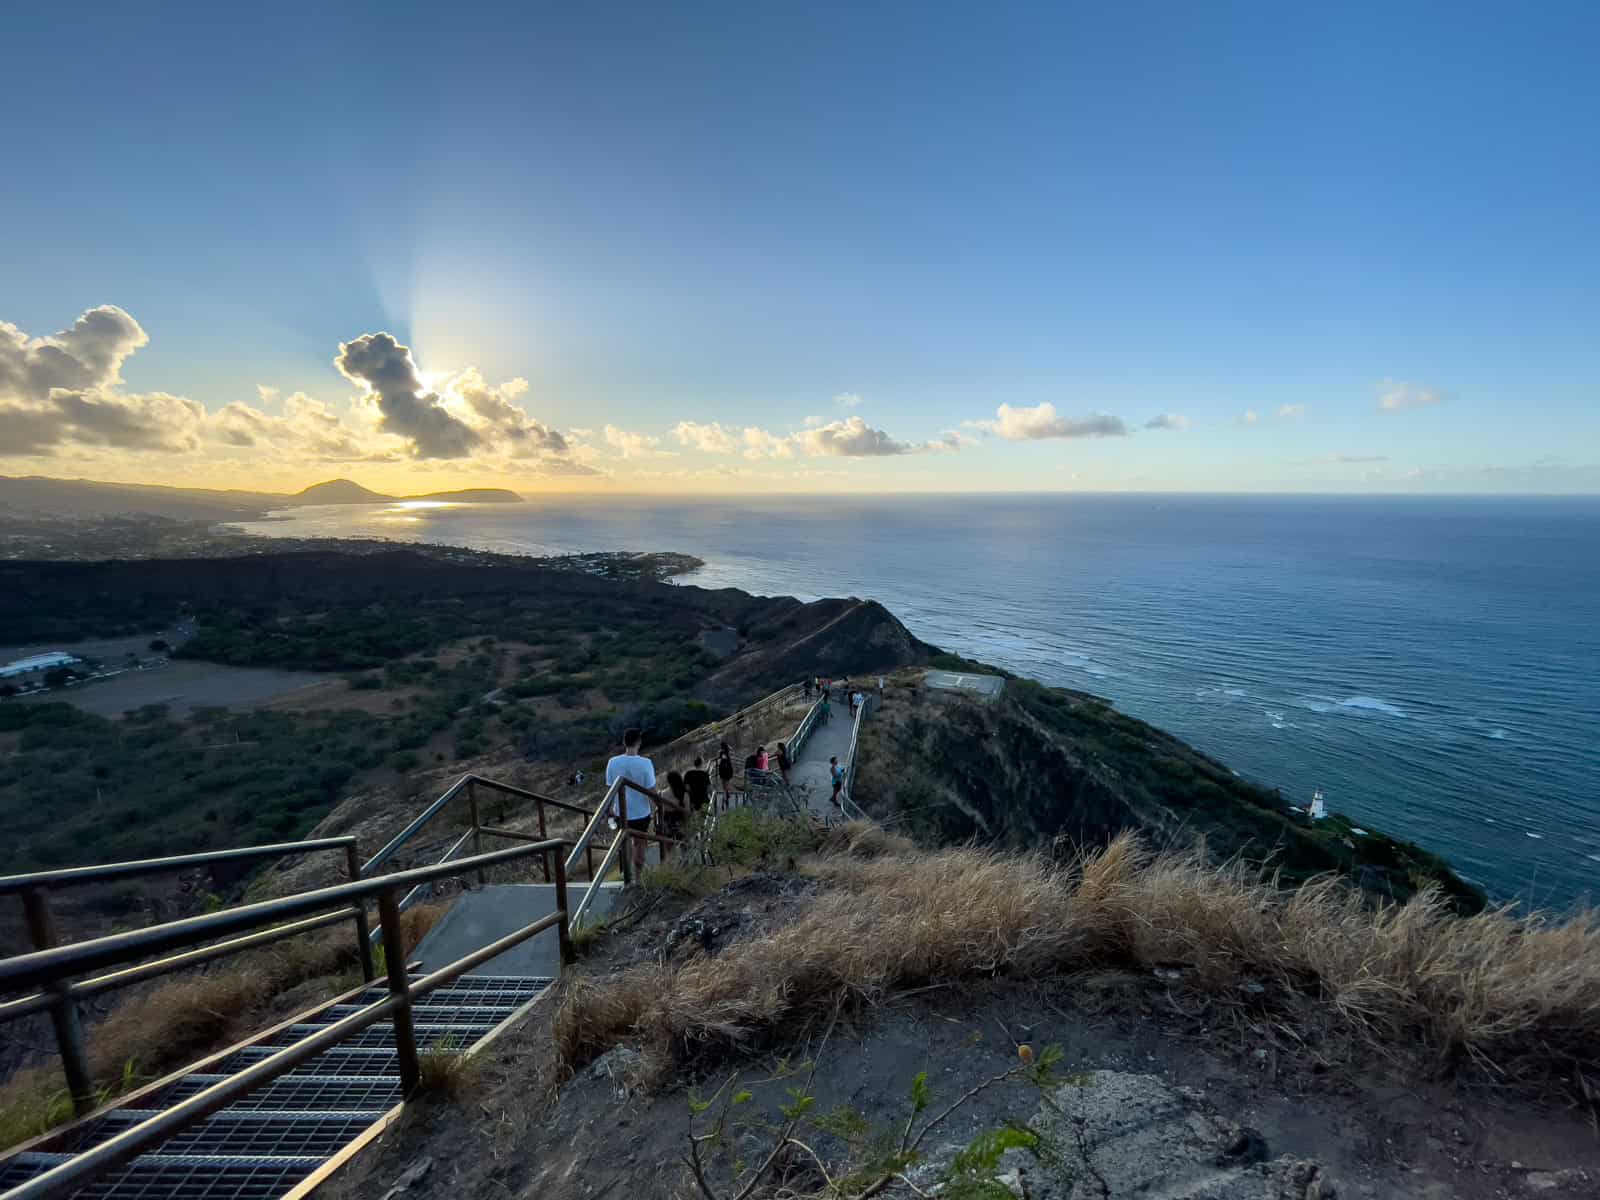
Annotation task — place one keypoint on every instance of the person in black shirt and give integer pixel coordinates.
(698, 781)
(725, 772)
(783, 760)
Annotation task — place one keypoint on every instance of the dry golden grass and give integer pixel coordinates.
(1517, 997)
(172, 1022)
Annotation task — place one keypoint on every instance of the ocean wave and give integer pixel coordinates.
(1538, 837)
(1498, 735)
(1275, 719)
(1372, 704)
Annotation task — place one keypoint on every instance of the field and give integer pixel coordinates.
(182, 687)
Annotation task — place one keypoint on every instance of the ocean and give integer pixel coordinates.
(1432, 664)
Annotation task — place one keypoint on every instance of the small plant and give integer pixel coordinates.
(445, 1071)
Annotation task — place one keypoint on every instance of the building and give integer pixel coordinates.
(36, 663)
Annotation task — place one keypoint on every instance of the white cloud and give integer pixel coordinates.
(62, 391)
(1169, 420)
(758, 443)
(1290, 412)
(1041, 421)
(1249, 417)
(62, 395)
(854, 438)
(847, 400)
(1396, 395)
(813, 421)
(711, 438)
(634, 445)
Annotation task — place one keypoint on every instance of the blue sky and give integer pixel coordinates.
(857, 231)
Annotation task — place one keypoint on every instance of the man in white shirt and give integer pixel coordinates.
(636, 768)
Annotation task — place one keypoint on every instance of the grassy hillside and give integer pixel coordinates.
(1046, 764)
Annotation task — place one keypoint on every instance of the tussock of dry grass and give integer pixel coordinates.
(178, 1019)
(864, 839)
(1518, 997)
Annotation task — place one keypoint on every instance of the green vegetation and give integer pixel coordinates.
(150, 783)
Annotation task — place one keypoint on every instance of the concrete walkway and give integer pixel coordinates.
(808, 777)
(486, 914)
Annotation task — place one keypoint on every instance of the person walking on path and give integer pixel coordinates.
(675, 822)
(725, 773)
(783, 760)
(836, 773)
(856, 701)
(698, 780)
(762, 761)
(824, 710)
(634, 802)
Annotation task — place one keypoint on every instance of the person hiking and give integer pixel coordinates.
(762, 761)
(698, 780)
(836, 773)
(824, 710)
(725, 772)
(634, 802)
(857, 699)
(675, 822)
(783, 760)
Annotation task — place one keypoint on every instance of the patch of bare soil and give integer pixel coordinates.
(1289, 1119)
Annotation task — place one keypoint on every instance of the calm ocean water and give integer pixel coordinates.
(1429, 663)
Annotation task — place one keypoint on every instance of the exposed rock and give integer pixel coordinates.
(1112, 1134)
(620, 1065)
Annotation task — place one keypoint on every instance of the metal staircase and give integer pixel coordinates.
(274, 1141)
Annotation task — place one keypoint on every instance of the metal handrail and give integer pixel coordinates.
(595, 822)
(53, 969)
(77, 876)
(403, 994)
(606, 863)
(850, 764)
(467, 782)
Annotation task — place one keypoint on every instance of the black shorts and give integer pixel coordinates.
(639, 824)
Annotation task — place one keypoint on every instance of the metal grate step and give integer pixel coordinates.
(338, 1061)
(176, 1177)
(264, 1144)
(477, 989)
(448, 1014)
(436, 1035)
(296, 1092)
(253, 1133)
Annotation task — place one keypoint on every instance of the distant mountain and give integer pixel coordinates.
(86, 497)
(474, 496)
(339, 491)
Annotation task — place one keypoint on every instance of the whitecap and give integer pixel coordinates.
(1488, 820)
(1593, 857)
(1538, 837)
(1498, 735)
(1372, 704)
(1234, 692)
(1317, 704)
(1275, 719)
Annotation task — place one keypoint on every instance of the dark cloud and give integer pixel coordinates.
(408, 408)
(852, 438)
(1167, 421)
(493, 406)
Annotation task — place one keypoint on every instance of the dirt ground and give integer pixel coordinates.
(185, 685)
(520, 1128)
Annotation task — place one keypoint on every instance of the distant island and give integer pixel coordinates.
(41, 495)
(347, 491)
